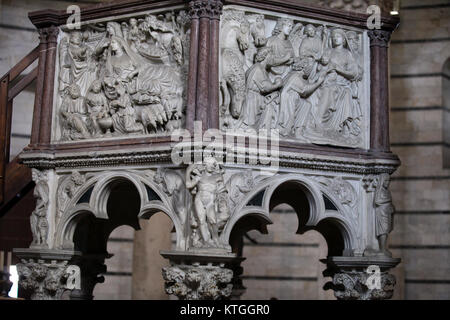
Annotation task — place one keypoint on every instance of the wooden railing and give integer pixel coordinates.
(14, 177)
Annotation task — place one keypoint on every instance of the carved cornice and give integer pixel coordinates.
(379, 38)
(211, 9)
(294, 160)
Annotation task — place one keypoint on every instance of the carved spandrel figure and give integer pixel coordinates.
(294, 108)
(340, 113)
(74, 115)
(384, 210)
(258, 85)
(205, 182)
(38, 219)
(282, 54)
(173, 185)
(98, 109)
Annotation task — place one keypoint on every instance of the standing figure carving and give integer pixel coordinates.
(258, 86)
(38, 220)
(206, 184)
(282, 53)
(384, 209)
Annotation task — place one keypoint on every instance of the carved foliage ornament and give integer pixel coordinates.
(379, 38)
(198, 282)
(205, 9)
(47, 280)
(354, 285)
(304, 79)
(123, 77)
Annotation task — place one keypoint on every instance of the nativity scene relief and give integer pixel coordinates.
(304, 79)
(123, 77)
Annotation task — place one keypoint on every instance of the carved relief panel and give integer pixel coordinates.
(306, 78)
(122, 77)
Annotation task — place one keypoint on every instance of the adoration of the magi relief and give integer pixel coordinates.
(122, 78)
(304, 79)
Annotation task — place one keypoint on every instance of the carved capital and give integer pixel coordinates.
(42, 35)
(5, 284)
(50, 33)
(379, 38)
(189, 282)
(361, 285)
(211, 9)
(46, 280)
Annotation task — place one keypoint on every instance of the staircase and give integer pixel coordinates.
(16, 187)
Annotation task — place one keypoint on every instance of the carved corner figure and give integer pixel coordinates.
(210, 211)
(384, 210)
(38, 219)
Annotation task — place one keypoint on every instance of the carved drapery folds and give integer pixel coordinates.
(383, 210)
(123, 77)
(189, 282)
(304, 79)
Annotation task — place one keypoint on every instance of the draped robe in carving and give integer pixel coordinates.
(336, 96)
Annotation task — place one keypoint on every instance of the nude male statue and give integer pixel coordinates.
(205, 182)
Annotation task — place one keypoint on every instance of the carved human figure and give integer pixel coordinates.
(123, 62)
(384, 210)
(205, 182)
(98, 108)
(294, 107)
(282, 53)
(239, 184)
(173, 185)
(340, 113)
(77, 66)
(102, 50)
(123, 114)
(234, 41)
(258, 85)
(312, 45)
(132, 34)
(38, 219)
(74, 115)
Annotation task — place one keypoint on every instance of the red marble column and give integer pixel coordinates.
(39, 87)
(379, 90)
(203, 86)
(47, 100)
